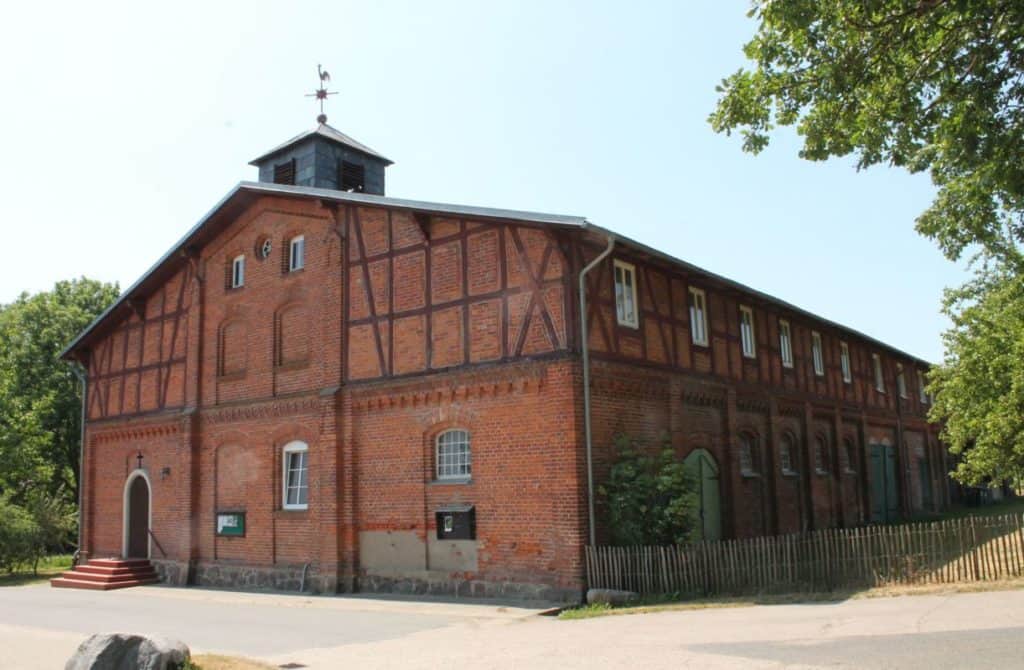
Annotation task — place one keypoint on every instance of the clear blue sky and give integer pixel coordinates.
(122, 125)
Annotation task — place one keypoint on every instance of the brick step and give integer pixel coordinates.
(66, 583)
(113, 572)
(103, 574)
(119, 562)
(79, 575)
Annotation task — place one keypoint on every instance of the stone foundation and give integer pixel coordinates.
(443, 585)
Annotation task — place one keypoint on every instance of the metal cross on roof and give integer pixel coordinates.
(321, 93)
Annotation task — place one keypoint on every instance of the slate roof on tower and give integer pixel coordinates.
(327, 132)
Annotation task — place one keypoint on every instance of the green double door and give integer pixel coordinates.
(885, 501)
(704, 470)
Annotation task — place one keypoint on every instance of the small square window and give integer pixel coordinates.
(844, 361)
(625, 294)
(785, 343)
(747, 332)
(817, 355)
(238, 272)
(698, 317)
(297, 253)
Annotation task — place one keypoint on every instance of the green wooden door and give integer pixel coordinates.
(702, 466)
(885, 504)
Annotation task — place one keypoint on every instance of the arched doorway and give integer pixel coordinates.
(702, 466)
(137, 515)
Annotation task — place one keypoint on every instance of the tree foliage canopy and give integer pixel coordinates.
(649, 500)
(979, 396)
(929, 85)
(40, 400)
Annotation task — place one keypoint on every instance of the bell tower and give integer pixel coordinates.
(324, 157)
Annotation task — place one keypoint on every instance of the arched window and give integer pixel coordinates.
(820, 456)
(295, 476)
(786, 448)
(453, 456)
(748, 454)
(851, 455)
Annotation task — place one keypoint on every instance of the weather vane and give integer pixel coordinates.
(322, 92)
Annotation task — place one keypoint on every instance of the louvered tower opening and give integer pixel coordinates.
(352, 177)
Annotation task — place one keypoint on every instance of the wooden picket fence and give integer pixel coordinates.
(958, 550)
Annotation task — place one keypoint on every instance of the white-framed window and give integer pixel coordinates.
(748, 454)
(786, 448)
(453, 455)
(297, 253)
(698, 317)
(295, 476)
(879, 377)
(844, 362)
(625, 294)
(922, 393)
(238, 272)
(817, 354)
(747, 332)
(785, 343)
(901, 382)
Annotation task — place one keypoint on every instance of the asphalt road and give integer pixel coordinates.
(40, 627)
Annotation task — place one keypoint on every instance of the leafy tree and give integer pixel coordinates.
(928, 85)
(18, 533)
(649, 500)
(979, 389)
(40, 401)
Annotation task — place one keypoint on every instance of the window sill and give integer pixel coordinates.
(231, 376)
(234, 289)
(749, 474)
(750, 357)
(821, 473)
(701, 345)
(296, 271)
(631, 326)
(460, 481)
(792, 474)
(293, 512)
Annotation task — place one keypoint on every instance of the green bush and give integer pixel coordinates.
(649, 500)
(19, 536)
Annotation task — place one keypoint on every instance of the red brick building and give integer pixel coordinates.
(322, 383)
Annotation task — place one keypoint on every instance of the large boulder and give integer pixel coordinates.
(123, 651)
(611, 597)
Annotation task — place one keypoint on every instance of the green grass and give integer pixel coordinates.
(49, 567)
(1011, 506)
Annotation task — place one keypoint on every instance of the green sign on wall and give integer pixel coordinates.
(231, 524)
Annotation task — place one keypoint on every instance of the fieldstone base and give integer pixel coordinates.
(289, 578)
(278, 578)
(173, 573)
(442, 585)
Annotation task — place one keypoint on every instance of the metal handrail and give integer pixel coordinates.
(157, 542)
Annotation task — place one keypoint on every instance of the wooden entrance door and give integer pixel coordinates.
(138, 519)
(704, 470)
(885, 504)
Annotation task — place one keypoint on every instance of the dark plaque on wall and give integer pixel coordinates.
(456, 522)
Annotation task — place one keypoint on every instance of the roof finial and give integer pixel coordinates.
(322, 92)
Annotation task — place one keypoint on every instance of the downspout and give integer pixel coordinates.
(76, 368)
(586, 384)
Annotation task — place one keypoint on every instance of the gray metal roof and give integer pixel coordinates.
(255, 189)
(327, 132)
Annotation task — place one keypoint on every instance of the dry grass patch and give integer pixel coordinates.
(219, 662)
(646, 607)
